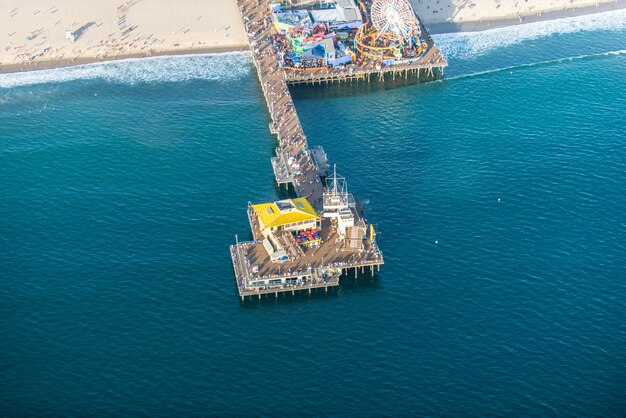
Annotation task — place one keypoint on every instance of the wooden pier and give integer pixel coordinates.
(320, 267)
(430, 66)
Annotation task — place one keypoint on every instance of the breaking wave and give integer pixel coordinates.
(465, 45)
(536, 64)
(172, 68)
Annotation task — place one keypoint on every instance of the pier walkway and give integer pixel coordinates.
(285, 123)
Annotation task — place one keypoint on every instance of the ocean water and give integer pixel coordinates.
(499, 193)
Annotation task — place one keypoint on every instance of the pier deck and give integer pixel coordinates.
(428, 66)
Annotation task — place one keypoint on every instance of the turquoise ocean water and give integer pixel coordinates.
(500, 194)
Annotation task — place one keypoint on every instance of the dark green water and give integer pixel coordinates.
(500, 198)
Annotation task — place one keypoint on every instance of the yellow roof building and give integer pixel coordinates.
(284, 212)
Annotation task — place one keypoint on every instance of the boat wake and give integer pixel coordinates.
(224, 66)
(537, 64)
(468, 45)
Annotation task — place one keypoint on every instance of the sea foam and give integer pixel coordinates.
(174, 68)
(467, 45)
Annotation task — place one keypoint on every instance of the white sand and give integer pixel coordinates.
(122, 28)
(459, 11)
(157, 26)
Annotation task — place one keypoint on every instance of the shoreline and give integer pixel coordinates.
(433, 29)
(74, 62)
(439, 28)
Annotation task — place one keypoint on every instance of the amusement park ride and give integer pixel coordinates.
(392, 32)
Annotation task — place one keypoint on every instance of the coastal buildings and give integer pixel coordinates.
(284, 224)
(288, 215)
(337, 14)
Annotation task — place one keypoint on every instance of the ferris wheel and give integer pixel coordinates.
(394, 16)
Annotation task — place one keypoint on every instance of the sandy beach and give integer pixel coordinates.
(33, 31)
(472, 15)
(34, 35)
